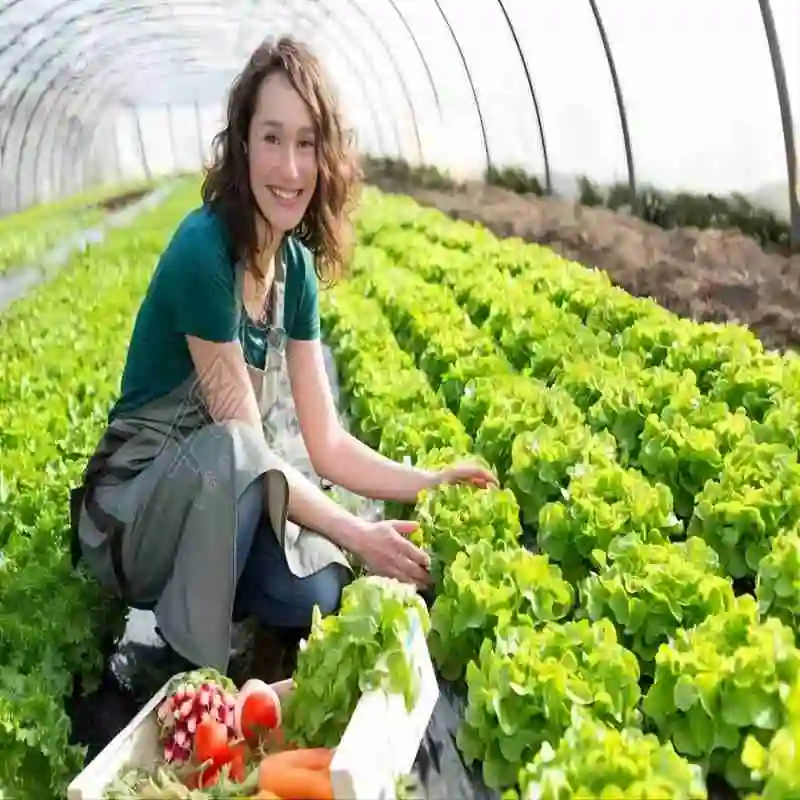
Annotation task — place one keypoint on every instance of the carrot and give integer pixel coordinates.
(313, 758)
(296, 783)
(265, 794)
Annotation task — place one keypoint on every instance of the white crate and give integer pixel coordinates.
(379, 744)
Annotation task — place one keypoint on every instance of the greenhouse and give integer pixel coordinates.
(399, 398)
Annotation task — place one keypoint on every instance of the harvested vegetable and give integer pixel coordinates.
(257, 710)
(196, 696)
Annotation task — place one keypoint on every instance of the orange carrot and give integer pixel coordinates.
(296, 783)
(313, 758)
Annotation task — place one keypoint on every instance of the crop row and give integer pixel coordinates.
(27, 235)
(668, 602)
(61, 350)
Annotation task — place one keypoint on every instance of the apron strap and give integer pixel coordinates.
(276, 335)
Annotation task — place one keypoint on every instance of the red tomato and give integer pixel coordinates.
(211, 742)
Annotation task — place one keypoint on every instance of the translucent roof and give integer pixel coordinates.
(693, 95)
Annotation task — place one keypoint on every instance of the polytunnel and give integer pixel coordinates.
(93, 90)
(564, 388)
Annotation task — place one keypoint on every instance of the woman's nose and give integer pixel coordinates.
(290, 163)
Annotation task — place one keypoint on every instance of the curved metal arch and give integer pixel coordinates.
(481, 121)
(548, 179)
(55, 57)
(143, 36)
(126, 12)
(81, 139)
(115, 45)
(77, 17)
(396, 67)
(785, 107)
(112, 69)
(421, 55)
(623, 117)
(89, 89)
(38, 154)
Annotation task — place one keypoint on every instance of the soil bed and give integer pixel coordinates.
(706, 275)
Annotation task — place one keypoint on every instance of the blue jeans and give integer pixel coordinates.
(267, 590)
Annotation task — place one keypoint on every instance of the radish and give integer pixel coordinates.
(181, 712)
(257, 709)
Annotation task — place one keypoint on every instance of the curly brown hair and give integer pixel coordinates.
(326, 228)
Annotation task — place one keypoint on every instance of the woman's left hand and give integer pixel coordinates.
(466, 472)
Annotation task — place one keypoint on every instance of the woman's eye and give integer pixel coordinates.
(271, 138)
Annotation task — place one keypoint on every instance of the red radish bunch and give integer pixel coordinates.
(181, 713)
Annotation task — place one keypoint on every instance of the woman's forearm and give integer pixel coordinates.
(363, 471)
(310, 507)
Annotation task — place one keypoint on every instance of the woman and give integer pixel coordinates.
(184, 508)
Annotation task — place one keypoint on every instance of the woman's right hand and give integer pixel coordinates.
(385, 550)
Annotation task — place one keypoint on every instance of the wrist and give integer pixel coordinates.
(353, 531)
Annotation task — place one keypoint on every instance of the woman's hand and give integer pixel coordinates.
(386, 551)
(466, 472)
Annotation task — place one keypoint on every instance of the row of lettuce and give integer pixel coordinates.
(647, 456)
(26, 236)
(61, 353)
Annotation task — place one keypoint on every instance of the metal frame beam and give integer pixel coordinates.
(785, 107)
(64, 54)
(114, 76)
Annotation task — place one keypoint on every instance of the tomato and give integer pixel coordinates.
(211, 742)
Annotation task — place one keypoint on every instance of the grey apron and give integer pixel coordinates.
(156, 516)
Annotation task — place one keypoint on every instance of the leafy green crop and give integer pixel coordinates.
(778, 764)
(778, 578)
(721, 680)
(593, 759)
(601, 503)
(452, 517)
(523, 687)
(359, 649)
(61, 350)
(652, 590)
(755, 496)
(484, 591)
(544, 459)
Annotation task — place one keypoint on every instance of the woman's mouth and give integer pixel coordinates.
(285, 195)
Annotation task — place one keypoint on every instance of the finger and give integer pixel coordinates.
(403, 526)
(413, 553)
(412, 573)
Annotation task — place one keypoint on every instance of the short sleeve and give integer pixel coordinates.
(305, 325)
(199, 284)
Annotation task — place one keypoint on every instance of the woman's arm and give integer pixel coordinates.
(334, 453)
(229, 395)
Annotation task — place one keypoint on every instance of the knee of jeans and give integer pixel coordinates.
(324, 589)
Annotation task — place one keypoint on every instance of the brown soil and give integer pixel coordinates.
(716, 275)
(122, 200)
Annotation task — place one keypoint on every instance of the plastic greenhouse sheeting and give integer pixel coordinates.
(90, 89)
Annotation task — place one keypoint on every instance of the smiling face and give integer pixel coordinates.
(282, 154)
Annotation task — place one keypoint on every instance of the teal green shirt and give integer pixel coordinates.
(193, 291)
